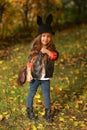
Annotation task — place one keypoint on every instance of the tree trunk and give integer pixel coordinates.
(25, 9)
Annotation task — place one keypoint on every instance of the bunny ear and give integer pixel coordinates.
(49, 19)
(39, 20)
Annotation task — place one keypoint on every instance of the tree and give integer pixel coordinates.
(25, 12)
(78, 8)
(3, 7)
(82, 8)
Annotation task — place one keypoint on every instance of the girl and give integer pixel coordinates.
(40, 66)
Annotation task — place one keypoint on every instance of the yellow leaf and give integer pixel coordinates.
(51, 88)
(67, 79)
(34, 127)
(1, 62)
(76, 77)
(10, 79)
(16, 49)
(14, 86)
(82, 124)
(71, 120)
(7, 116)
(61, 60)
(42, 113)
(3, 90)
(60, 89)
(15, 76)
(61, 119)
(39, 101)
(12, 92)
(74, 117)
(14, 109)
(76, 123)
(37, 96)
(21, 100)
(1, 117)
(5, 113)
(77, 71)
(80, 101)
(24, 109)
(40, 126)
(67, 106)
(4, 68)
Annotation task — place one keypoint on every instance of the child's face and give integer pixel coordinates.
(46, 38)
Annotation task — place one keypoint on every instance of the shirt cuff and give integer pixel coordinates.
(53, 55)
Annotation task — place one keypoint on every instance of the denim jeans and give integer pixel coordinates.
(45, 85)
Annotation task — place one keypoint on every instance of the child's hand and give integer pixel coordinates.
(29, 77)
(44, 50)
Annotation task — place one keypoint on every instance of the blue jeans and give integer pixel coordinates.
(45, 85)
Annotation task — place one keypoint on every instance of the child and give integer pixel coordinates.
(40, 66)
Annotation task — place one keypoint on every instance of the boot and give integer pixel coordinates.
(47, 115)
(30, 114)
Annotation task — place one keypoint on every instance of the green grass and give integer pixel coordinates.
(68, 86)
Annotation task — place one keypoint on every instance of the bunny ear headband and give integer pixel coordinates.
(49, 19)
(42, 28)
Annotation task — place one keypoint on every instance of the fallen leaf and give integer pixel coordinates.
(61, 119)
(34, 127)
(1, 62)
(37, 96)
(76, 123)
(1, 117)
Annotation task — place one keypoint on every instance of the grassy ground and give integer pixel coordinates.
(68, 86)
